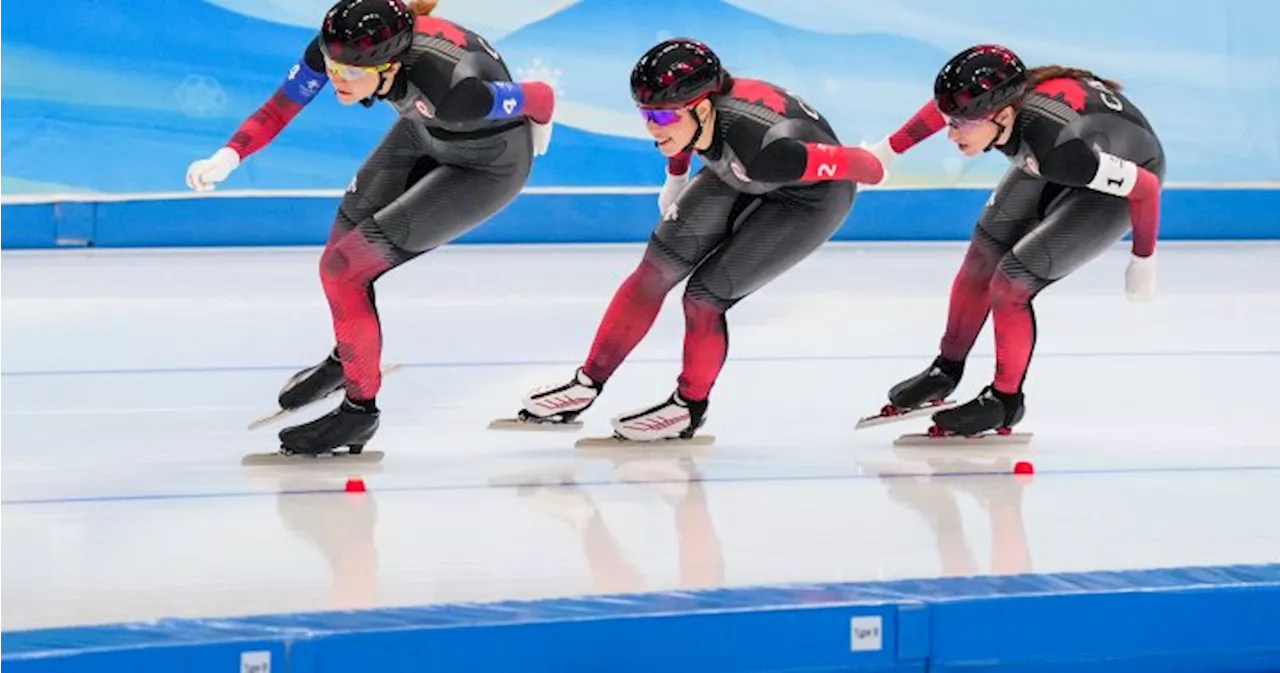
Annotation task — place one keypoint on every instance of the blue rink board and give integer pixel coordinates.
(884, 215)
(1224, 618)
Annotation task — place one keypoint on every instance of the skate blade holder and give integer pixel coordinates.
(524, 421)
(616, 442)
(891, 414)
(326, 459)
(518, 425)
(983, 439)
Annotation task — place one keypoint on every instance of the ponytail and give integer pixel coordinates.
(1036, 76)
(422, 7)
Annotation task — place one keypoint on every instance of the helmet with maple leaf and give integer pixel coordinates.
(979, 81)
(676, 73)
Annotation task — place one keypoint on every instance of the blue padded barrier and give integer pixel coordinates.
(1180, 619)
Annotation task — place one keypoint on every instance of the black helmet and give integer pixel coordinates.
(676, 72)
(366, 32)
(978, 81)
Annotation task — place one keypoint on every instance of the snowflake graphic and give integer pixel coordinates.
(541, 72)
(201, 96)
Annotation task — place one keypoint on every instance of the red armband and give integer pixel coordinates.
(924, 123)
(834, 162)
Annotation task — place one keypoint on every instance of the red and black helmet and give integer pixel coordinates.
(978, 81)
(676, 72)
(366, 32)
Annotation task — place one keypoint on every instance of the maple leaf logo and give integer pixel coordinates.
(431, 26)
(1065, 89)
(755, 91)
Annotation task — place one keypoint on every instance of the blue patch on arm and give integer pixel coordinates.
(508, 100)
(303, 83)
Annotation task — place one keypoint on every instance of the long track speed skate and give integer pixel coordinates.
(554, 407)
(890, 413)
(987, 419)
(670, 423)
(925, 393)
(268, 419)
(340, 434)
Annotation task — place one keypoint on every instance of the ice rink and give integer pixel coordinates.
(129, 378)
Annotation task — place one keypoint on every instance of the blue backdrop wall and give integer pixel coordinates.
(110, 108)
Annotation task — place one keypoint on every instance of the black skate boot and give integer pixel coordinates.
(990, 411)
(313, 383)
(919, 394)
(932, 385)
(351, 425)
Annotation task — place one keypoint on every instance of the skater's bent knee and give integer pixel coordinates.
(709, 292)
(1010, 292)
(333, 265)
(1031, 265)
(980, 260)
(654, 276)
(696, 302)
(337, 271)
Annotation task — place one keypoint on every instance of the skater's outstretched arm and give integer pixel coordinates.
(305, 80)
(923, 124)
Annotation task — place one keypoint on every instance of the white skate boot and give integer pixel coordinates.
(553, 407)
(673, 420)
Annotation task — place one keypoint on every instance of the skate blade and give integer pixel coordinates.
(263, 421)
(277, 458)
(614, 441)
(882, 419)
(986, 439)
(534, 426)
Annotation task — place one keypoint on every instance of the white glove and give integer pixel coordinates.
(205, 173)
(1140, 278)
(541, 137)
(671, 190)
(884, 153)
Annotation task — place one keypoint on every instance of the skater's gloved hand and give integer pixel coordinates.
(541, 137)
(884, 153)
(671, 190)
(1140, 278)
(202, 175)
